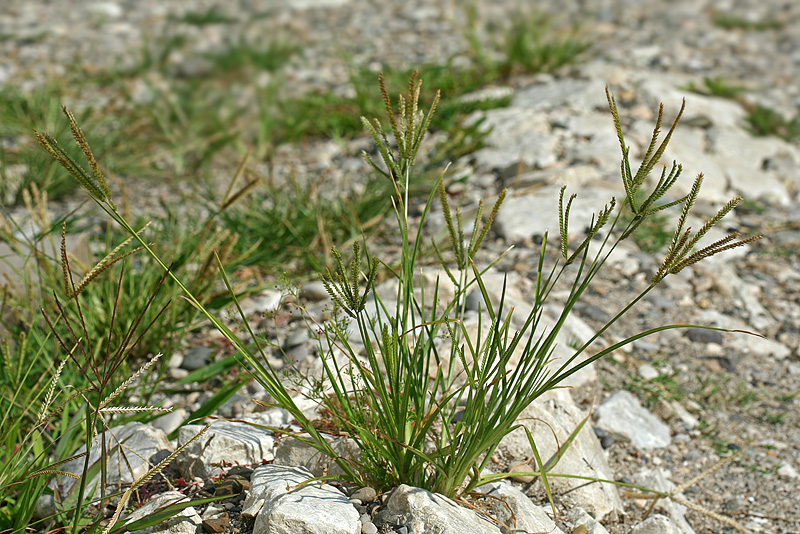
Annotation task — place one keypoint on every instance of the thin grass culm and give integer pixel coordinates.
(425, 400)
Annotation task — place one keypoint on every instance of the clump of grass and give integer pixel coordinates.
(212, 15)
(735, 22)
(330, 115)
(766, 121)
(531, 46)
(403, 392)
(21, 162)
(268, 55)
(52, 408)
(292, 226)
(717, 86)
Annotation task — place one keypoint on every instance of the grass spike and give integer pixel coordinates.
(487, 225)
(80, 139)
(563, 219)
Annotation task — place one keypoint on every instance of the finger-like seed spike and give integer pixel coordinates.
(65, 262)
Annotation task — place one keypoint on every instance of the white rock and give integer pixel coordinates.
(654, 479)
(522, 217)
(267, 301)
(788, 471)
(554, 416)
(687, 148)
(224, 442)
(171, 420)
(430, 512)
(647, 371)
(594, 140)
(293, 452)
(487, 93)
(282, 506)
(187, 521)
(579, 95)
(700, 110)
(578, 516)
(683, 414)
(657, 524)
(528, 516)
(623, 414)
(128, 449)
(517, 135)
(106, 9)
(743, 157)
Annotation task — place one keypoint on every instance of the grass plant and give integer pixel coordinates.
(716, 87)
(728, 21)
(763, 120)
(21, 161)
(212, 15)
(398, 400)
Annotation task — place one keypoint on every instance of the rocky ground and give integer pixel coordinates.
(666, 409)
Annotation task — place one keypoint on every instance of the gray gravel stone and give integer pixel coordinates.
(551, 419)
(292, 451)
(579, 517)
(513, 505)
(364, 494)
(196, 358)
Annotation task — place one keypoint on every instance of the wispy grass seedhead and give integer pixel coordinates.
(464, 251)
(408, 126)
(343, 284)
(95, 184)
(682, 253)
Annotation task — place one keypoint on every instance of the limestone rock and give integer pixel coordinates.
(657, 524)
(518, 135)
(129, 448)
(224, 442)
(430, 512)
(525, 216)
(654, 479)
(186, 521)
(293, 452)
(282, 506)
(623, 414)
(528, 516)
(579, 517)
(556, 413)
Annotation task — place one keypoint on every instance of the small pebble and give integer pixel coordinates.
(364, 495)
(522, 467)
(475, 301)
(369, 528)
(647, 371)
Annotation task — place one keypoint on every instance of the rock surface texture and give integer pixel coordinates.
(662, 412)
